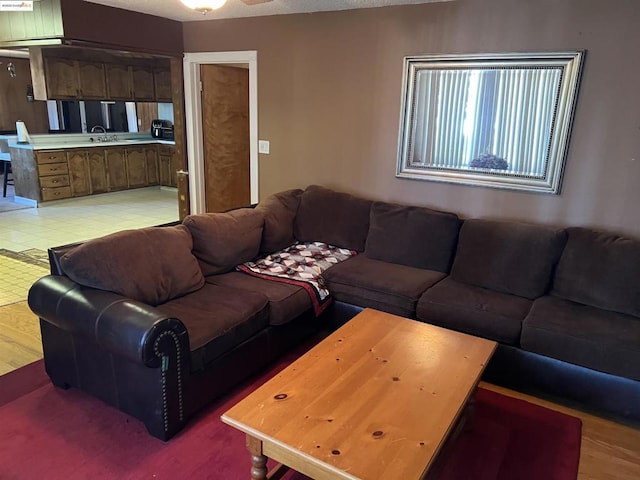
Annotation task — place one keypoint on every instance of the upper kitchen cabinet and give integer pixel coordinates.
(162, 83)
(71, 79)
(119, 85)
(143, 90)
(63, 73)
(92, 81)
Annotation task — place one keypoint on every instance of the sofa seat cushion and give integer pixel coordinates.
(413, 236)
(286, 301)
(474, 310)
(384, 286)
(331, 217)
(598, 339)
(151, 265)
(218, 318)
(601, 270)
(223, 240)
(279, 212)
(508, 257)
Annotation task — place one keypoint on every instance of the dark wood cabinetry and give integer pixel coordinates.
(153, 176)
(61, 73)
(53, 175)
(166, 166)
(67, 79)
(61, 78)
(143, 90)
(116, 161)
(118, 79)
(162, 84)
(92, 82)
(79, 176)
(137, 167)
(45, 175)
(97, 171)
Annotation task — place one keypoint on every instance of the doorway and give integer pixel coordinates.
(196, 131)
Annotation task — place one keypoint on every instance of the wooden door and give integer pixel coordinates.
(79, 177)
(225, 125)
(115, 158)
(97, 170)
(137, 167)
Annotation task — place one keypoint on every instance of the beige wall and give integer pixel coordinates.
(329, 88)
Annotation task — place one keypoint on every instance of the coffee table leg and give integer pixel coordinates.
(258, 459)
(470, 412)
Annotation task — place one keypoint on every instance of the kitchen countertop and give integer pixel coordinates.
(82, 140)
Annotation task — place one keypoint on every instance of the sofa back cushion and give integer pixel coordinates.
(508, 257)
(279, 212)
(331, 217)
(152, 265)
(223, 240)
(601, 270)
(412, 236)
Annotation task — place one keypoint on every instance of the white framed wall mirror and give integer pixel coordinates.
(495, 120)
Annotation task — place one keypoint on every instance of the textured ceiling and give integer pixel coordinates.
(175, 10)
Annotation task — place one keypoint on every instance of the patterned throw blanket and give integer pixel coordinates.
(301, 264)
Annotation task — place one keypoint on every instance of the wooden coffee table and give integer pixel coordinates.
(376, 399)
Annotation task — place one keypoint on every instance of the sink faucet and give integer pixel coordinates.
(95, 128)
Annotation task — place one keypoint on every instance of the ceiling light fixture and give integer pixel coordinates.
(204, 6)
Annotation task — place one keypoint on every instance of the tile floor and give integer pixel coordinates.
(74, 220)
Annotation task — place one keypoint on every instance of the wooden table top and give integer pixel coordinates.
(376, 399)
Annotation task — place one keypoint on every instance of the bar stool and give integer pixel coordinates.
(5, 179)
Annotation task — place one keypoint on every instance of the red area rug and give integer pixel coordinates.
(65, 434)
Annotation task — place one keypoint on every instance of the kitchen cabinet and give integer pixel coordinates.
(137, 167)
(53, 175)
(116, 162)
(166, 166)
(97, 171)
(119, 86)
(79, 176)
(92, 80)
(142, 77)
(61, 78)
(45, 175)
(153, 175)
(162, 84)
(74, 79)
(68, 73)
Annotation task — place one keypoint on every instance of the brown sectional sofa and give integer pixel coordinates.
(157, 323)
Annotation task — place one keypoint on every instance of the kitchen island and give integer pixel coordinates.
(53, 167)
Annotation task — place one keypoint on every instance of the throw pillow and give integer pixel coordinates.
(331, 217)
(279, 211)
(413, 236)
(223, 240)
(152, 265)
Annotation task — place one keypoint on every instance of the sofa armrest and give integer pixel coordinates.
(119, 325)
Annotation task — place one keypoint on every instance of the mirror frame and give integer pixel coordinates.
(570, 65)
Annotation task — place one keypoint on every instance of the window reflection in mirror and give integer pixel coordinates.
(495, 120)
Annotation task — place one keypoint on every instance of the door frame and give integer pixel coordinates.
(193, 119)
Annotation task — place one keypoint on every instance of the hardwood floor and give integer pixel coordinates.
(610, 451)
(20, 341)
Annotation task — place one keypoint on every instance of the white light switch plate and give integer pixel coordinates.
(263, 146)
